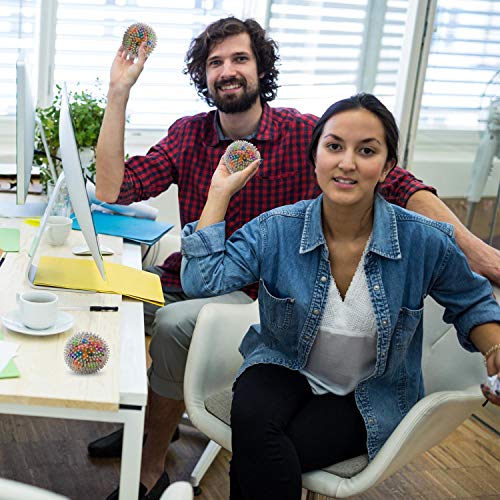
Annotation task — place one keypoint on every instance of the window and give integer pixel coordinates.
(329, 50)
(464, 57)
(17, 32)
(89, 33)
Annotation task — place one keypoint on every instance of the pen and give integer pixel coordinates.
(90, 308)
(2, 258)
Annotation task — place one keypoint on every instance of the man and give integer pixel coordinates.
(232, 64)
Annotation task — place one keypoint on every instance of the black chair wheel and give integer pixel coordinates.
(196, 490)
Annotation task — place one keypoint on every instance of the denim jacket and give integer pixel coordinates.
(408, 258)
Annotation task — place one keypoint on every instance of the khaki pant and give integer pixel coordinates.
(171, 328)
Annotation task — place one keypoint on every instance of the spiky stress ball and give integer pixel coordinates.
(86, 352)
(135, 35)
(239, 154)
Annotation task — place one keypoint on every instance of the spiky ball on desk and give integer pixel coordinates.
(86, 353)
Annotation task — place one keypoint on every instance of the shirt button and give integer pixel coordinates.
(323, 279)
(383, 354)
(376, 288)
(316, 312)
(384, 322)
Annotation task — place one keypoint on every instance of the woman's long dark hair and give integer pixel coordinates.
(359, 101)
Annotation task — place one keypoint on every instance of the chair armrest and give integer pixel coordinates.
(213, 361)
(432, 419)
(157, 254)
(213, 357)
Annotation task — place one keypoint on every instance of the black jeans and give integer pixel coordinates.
(280, 429)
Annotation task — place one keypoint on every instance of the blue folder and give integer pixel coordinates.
(130, 228)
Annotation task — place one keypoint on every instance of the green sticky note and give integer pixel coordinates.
(11, 370)
(9, 239)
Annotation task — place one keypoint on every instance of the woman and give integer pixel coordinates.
(336, 362)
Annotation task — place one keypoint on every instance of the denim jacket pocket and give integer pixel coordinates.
(408, 321)
(276, 313)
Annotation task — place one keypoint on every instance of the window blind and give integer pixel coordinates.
(320, 45)
(464, 57)
(89, 33)
(17, 32)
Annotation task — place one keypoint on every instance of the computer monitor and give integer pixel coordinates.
(75, 181)
(26, 122)
(25, 130)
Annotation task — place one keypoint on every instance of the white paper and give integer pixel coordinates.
(7, 351)
(139, 209)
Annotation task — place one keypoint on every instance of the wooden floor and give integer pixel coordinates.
(52, 454)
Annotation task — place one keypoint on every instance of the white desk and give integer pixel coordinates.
(129, 366)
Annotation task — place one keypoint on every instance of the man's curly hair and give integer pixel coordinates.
(264, 49)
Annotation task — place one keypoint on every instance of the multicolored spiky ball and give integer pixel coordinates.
(135, 35)
(86, 352)
(239, 154)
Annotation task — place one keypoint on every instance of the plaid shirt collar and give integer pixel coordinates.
(265, 131)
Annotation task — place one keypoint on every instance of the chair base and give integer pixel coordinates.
(204, 462)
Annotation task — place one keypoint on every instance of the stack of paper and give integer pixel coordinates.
(139, 209)
(130, 228)
(81, 274)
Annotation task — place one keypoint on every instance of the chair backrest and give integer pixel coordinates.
(13, 490)
(446, 365)
(180, 490)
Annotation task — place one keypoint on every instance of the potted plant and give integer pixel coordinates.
(87, 111)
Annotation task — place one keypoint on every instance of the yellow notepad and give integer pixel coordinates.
(80, 274)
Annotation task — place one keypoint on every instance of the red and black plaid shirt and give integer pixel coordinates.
(191, 151)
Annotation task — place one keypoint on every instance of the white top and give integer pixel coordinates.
(345, 349)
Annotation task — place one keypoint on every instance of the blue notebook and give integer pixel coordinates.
(130, 228)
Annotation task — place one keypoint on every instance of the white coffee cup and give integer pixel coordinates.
(58, 229)
(38, 309)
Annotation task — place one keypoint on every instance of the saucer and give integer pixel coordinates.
(12, 321)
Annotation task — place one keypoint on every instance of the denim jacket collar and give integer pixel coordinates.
(384, 241)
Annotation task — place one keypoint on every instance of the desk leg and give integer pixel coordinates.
(133, 430)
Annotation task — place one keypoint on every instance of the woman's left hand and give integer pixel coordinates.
(493, 368)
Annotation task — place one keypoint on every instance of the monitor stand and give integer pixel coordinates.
(32, 267)
(32, 209)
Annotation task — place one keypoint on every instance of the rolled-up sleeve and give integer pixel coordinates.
(212, 265)
(467, 297)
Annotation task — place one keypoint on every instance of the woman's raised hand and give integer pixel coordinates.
(227, 183)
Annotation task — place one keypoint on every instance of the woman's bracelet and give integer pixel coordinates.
(490, 351)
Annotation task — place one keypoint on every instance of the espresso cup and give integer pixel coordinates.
(58, 229)
(38, 309)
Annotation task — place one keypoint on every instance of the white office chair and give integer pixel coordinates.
(180, 490)
(13, 490)
(451, 375)
(154, 256)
